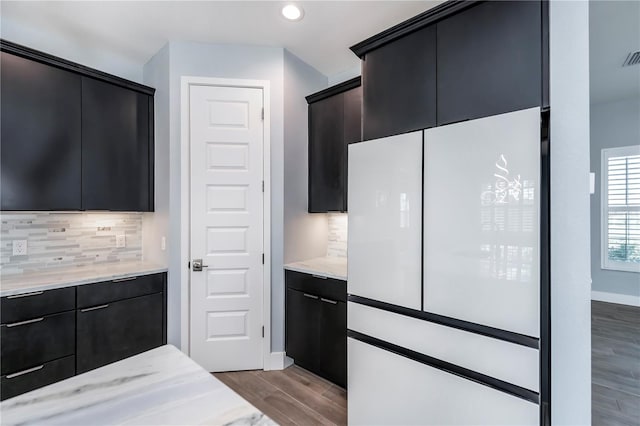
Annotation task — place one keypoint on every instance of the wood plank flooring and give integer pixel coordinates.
(296, 397)
(615, 364)
(292, 396)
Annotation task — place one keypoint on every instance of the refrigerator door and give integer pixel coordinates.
(481, 221)
(385, 215)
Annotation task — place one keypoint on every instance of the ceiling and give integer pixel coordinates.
(134, 31)
(614, 31)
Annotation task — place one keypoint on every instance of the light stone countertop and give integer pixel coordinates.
(67, 277)
(158, 387)
(330, 267)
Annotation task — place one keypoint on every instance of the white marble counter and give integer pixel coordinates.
(330, 267)
(159, 387)
(66, 277)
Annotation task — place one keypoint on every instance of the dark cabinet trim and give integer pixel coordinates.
(410, 25)
(334, 90)
(36, 55)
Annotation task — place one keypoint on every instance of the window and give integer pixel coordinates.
(621, 208)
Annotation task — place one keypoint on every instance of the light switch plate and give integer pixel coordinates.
(592, 183)
(19, 247)
(163, 243)
(121, 241)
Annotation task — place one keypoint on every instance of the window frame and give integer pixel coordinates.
(606, 263)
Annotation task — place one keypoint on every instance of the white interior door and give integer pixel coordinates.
(227, 207)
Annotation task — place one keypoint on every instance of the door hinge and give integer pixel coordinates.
(263, 331)
(263, 114)
(262, 186)
(263, 258)
(189, 265)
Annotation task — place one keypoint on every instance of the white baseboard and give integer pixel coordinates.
(278, 361)
(623, 299)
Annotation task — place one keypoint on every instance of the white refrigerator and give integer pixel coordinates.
(444, 274)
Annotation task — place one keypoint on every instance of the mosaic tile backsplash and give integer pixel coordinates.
(337, 243)
(67, 239)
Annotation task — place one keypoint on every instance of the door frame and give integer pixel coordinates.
(185, 210)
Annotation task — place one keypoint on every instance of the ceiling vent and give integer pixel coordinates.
(633, 58)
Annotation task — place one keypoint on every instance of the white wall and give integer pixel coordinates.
(78, 49)
(156, 225)
(345, 75)
(613, 124)
(570, 224)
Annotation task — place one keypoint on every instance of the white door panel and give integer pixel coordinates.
(226, 143)
(481, 221)
(496, 358)
(385, 214)
(388, 389)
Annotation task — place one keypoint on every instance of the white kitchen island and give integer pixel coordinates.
(158, 387)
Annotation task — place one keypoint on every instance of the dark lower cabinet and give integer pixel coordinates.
(36, 377)
(110, 332)
(116, 153)
(39, 136)
(316, 325)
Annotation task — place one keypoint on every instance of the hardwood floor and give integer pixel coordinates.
(615, 364)
(296, 397)
(290, 397)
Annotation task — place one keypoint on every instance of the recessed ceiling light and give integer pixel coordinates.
(292, 12)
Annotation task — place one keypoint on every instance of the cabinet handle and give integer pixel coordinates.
(17, 296)
(31, 321)
(20, 373)
(93, 308)
(310, 296)
(333, 302)
(319, 276)
(120, 280)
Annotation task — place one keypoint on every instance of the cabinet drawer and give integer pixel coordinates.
(329, 288)
(36, 304)
(125, 288)
(35, 341)
(36, 377)
(114, 331)
(387, 389)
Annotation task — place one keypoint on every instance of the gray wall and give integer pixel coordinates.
(613, 124)
(570, 224)
(156, 225)
(305, 234)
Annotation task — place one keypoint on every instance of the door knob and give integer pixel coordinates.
(197, 265)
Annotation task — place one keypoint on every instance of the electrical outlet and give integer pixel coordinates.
(19, 247)
(121, 241)
(163, 244)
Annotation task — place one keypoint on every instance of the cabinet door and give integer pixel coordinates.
(333, 341)
(114, 331)
(489, 60)
(327, 180)
(39, 136)
(116, 148)
(399, 85)
(303, 316)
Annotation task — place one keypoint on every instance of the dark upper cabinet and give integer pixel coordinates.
(72, 138)
(39, 136)
(115, 148)
(399, 85)
(334, 122)
(489, 60)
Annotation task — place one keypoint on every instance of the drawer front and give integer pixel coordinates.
(329, 288)
(506, 361)
(36, 341)
(36, 377)
(389, 389)
(36, 304)
(125, 288)
(114, 331)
